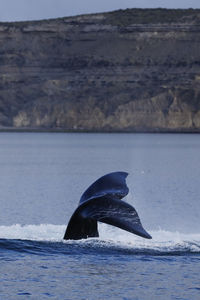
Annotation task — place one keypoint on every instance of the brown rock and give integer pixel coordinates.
(129, 70)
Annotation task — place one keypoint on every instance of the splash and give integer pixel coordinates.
(111, 239)
(162, 241)
(42, 232)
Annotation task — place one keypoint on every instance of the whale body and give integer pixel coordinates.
(101, 202)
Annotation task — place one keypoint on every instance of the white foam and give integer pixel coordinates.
(162, 240)
(42, 232)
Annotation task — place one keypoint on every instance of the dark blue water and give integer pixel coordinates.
(41, 179)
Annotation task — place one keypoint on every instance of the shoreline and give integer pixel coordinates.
(62, 130)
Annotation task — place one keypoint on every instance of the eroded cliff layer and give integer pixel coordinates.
(129, 70)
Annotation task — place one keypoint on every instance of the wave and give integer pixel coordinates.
(47, 239)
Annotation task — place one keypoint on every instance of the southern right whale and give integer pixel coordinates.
(101, 202)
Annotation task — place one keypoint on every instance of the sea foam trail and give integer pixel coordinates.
(162, 241)
(42, 232)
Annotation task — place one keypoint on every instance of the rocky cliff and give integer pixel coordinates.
(128, 70)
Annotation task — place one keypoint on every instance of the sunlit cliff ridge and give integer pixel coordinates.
(128, 70)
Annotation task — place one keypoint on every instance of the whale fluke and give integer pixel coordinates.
(102, 202)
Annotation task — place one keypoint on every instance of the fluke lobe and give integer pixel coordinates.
(102, 202)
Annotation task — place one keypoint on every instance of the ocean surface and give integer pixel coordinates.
(42, 176)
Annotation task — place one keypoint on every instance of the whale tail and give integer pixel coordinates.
(101, 202)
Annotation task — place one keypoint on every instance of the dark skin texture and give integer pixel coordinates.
(102, 202)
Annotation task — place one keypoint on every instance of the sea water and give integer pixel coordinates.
(42, 176)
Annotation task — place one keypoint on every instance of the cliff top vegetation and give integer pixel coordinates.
(130, 16)
(152, 16)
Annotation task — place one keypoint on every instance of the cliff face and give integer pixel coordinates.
(132, 70)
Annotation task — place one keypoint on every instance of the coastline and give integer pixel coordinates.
(134, 70)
